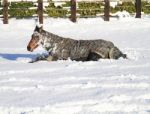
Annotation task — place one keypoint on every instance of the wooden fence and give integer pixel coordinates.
(73, 9)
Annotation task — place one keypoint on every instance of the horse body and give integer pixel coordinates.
(80, 50)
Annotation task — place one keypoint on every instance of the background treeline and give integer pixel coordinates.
(21, 9)
(84, 9)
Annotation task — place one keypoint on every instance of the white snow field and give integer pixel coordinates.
(69, 87)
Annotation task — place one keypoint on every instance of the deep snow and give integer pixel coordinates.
(69, 87)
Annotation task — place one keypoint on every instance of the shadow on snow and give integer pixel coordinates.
(14, 57)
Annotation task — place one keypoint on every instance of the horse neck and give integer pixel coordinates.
(50, 37)
(49, 40)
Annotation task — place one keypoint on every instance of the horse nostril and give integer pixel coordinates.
(28, 48)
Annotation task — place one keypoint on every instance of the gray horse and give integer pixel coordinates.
(60, 48)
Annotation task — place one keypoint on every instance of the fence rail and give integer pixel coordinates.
(73, 9)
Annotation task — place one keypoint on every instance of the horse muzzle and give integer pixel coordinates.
(29, 48)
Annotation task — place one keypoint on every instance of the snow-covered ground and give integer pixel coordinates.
(69, 87)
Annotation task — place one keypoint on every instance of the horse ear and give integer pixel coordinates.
(38, 29)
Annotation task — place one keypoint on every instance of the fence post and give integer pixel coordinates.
(40, 11)
(5, 11)
(138, 8)
(106, 10)
(73, 11)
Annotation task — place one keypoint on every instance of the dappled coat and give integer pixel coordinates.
(80, 50)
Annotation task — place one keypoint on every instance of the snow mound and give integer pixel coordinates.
(122, 14)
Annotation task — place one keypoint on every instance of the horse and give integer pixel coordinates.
(60, 48)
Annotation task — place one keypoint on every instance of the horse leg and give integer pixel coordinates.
(101, 53)
(115, 53)
(39, 58)
(93, 56)
(51, 58)
(44, 58)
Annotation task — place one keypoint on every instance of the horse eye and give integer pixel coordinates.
(35, 36)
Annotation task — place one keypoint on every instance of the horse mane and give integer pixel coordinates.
(48, 34)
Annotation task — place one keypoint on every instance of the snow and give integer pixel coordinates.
(69, 87)
(122, 14)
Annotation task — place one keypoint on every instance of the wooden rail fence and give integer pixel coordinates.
(40, 11)
(73, 9)
(138, 8)
(5, 11)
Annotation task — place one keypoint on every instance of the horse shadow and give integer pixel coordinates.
(14, 57)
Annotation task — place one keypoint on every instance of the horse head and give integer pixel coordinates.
(35, 39)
